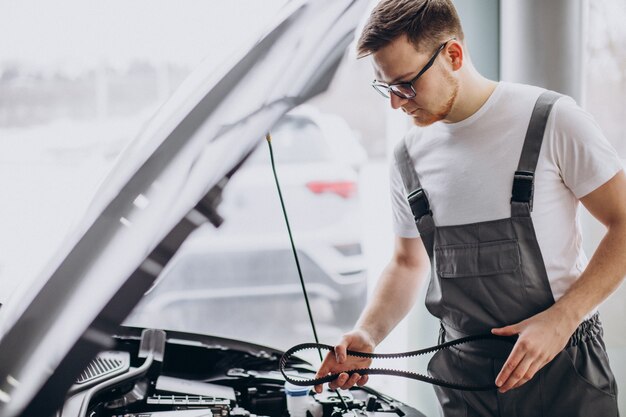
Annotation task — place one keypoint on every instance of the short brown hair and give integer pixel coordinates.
(425, 23)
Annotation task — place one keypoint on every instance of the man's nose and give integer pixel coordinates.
(396, 102)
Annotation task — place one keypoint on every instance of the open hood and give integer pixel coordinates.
(166, 183)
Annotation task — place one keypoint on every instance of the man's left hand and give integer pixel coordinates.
(541, 338)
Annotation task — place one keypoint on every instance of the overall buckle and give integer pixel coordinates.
(523, 187)
(419, 204)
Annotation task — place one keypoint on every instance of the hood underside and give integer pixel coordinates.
(164, 185)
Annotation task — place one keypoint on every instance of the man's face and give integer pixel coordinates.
(436, 88)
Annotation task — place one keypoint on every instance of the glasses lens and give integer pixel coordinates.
(403, 90)
(382, 89)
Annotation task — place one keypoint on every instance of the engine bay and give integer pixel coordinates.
(151, 373)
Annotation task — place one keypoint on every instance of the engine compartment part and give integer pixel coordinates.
(104, 366)
(200, 376)
(182, 413)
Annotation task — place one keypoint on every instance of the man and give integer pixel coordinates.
(494, 173)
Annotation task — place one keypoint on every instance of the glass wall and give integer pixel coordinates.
(74, 92)
(604, 92)
(78, 81)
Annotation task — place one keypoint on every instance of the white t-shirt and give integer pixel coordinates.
(467, 171)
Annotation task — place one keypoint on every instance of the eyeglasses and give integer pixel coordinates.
(405, 89)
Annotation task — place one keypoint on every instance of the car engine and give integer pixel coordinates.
(151, 373)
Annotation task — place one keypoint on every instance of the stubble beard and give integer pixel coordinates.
(424, 118)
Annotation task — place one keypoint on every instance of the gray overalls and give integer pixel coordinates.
(491, 274)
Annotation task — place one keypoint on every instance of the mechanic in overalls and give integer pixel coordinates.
(486, 189)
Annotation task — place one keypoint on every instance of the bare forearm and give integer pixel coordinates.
(603, 275)
(543, 336)
(393, 298)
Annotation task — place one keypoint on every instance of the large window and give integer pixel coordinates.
(606, 69)
(76, 91)
(605, 90)
(78, 80)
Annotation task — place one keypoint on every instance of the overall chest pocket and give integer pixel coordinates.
(477, 259)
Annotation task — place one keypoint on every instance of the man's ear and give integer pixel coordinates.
(455, 54)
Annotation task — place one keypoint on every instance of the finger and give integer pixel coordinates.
(531, 372)
(517, 354)
(340, 350)
(351, 381)
(506, 331)
(518, 374)
(340, 353)
(363, 380)
(326, 366)
(339, 381)
(521, 382)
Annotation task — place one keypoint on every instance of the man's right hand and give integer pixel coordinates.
(338, 361)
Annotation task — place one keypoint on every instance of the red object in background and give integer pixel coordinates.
(345, 189)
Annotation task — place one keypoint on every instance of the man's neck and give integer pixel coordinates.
(474, 91)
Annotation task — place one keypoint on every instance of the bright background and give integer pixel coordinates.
(79, 79)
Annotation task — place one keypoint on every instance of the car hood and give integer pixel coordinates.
(165, 184)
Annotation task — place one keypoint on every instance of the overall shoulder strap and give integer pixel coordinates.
(524, 179)
(416, 196)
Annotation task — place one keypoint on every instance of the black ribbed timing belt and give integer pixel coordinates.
(394, 372)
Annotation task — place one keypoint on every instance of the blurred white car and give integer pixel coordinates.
(318, 157)
(249, 259)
